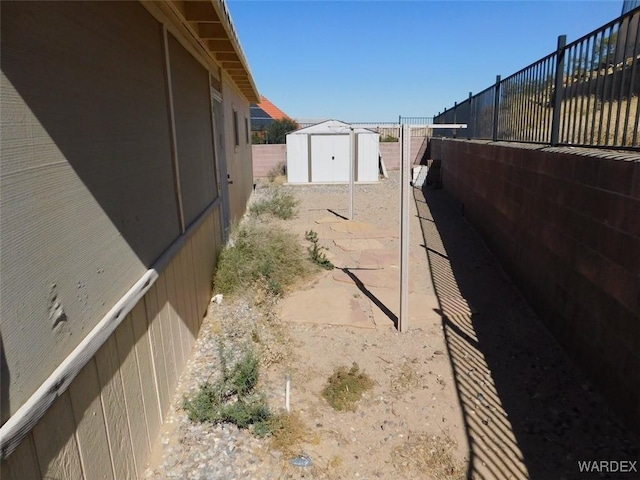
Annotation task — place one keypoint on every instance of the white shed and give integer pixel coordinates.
(321, 154)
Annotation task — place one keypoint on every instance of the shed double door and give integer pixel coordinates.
(330, 158)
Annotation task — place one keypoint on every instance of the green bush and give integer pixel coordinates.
(388, 138)
(258, 138)
(278, 203)
(276, 131)
(244, 376)
(232, 399)
(263, 255)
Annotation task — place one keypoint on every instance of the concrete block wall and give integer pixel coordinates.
(390, 152)
(265, 157)
(565, 224)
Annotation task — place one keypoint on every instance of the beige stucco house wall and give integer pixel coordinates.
(118, 125)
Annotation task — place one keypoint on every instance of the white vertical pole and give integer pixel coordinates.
(352, 164)
(287, 393)
(405, 165)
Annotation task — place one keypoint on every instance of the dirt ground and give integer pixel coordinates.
(337, 320)
(476, 375)
(476, 388)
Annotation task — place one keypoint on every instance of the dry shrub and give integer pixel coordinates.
(407, 378)
(260, 254)
(431, 455)
(276, 202)
(345, 387)
(279, 170)
(270, 335)
(288, 431)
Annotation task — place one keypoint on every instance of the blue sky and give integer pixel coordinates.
(375, 60)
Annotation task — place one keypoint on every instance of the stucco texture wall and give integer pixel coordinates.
(565, 223)
(239, 160)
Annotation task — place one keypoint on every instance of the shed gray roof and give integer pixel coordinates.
(332, 126)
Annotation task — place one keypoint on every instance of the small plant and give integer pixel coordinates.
(233, 398)
(280, 169)
(278, 203)
(345, 387)
(388, 138)
(315, 251)
(260, 255)
(244, 377)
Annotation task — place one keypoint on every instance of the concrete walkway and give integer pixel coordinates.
(363, 290)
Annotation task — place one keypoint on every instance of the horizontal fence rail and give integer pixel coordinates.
(584, 94)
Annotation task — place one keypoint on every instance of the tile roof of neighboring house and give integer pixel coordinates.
(271, 110)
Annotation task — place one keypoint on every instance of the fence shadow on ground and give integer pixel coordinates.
(528, 412)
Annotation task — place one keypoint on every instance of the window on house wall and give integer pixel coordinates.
(246, 129)
(236, 134)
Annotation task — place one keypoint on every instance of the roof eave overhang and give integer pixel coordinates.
(211, 25)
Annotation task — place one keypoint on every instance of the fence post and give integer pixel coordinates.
(496, 105)
(405, 190)
(557, 92)
(470, 117)
(455, 107)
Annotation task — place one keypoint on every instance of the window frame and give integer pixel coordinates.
(236, 133)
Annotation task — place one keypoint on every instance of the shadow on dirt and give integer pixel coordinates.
(528, 411)
(366, 292)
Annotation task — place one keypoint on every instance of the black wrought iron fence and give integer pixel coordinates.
(585, 93)
(415, 120)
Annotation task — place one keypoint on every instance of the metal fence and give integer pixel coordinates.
(415, 120)
(585, 93)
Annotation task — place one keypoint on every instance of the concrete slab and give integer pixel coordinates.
(352, 227)
(328, 306)
(379, 258)
(421, 308)
(358, 244)
(330, 219)
(388, 234)
(381, 278)
(355, 229)
(323, 230)
(388, 257)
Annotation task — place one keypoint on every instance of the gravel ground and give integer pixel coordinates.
(201, 450)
